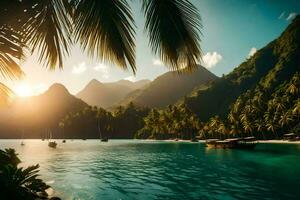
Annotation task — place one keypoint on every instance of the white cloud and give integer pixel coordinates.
(253, 50)
(104, 69)
(281, 15)
(130, 78)
(291, 16)
(210, 59)
(79, 69)
(157, 62)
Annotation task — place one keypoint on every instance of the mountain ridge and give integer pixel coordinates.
(104, 95)
(269, 66)
(168, 88)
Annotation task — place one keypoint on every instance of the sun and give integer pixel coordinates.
(23, 90)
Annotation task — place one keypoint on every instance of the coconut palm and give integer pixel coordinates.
(105, 29)
(260, 126)
(296, 109)
(272, 126)
(285, 119)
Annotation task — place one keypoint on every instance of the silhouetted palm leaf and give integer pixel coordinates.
(9, 157)
(49, 31)
(173, 28)
(106, 29)
(5, 94)
(10, 51)
(19, 183)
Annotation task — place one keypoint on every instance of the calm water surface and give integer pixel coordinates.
(130, 169)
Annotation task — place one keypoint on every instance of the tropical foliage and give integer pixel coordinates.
(19, 183)
(105, 29)
(270, 66)
(93, 122)
(173, 122)
(257, 112)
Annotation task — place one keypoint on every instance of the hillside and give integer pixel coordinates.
(169, 88)
(105, 95)
(34, 114)
(268, 67)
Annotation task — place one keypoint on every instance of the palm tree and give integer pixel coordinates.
(285, 119)
(9, 156)
(19, 183)
(272, 126)
(105, 29)
(259, 125)
(296, 109)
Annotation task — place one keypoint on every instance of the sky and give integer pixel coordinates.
(232, 31)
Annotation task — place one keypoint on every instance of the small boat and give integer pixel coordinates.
(22, 142)
(64, 141)
(52, 144)
(247, 143)
(194, 140)
(232, 143)
(102, 139)
(211, 143)
(291, 137)
(176, 139)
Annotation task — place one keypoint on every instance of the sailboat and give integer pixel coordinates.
(51, 144)
(22, 137)
(63, 136)
(102, 139)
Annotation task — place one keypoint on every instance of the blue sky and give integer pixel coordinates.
(231, 29)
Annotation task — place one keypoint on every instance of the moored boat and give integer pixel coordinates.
(232, 143)
(211, 142)
(52, 144)
(104, 139)
(291, 137)
(247, 143)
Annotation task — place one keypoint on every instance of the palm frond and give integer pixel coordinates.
(11, 49)
(49, 31)
(106, 29)
(5, 95)
(174, 32)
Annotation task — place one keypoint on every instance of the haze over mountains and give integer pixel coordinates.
(105, 95)
(36, 113)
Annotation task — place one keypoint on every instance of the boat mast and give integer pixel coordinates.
(99, 130)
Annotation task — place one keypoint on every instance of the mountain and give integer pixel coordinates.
(269, 67)
(169, 88)
(34, 114)
(105, 95)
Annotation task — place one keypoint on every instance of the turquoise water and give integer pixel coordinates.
(131, 169)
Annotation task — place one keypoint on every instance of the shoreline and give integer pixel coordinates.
(171, 140)
(259, 141)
